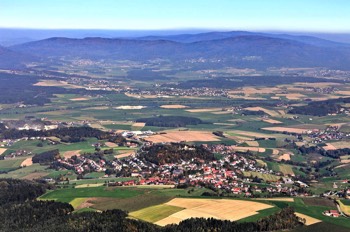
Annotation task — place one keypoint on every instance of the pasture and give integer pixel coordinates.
(67, 195)
(155, 213)
(11, 164)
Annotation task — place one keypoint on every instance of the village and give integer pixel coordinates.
(224, 175)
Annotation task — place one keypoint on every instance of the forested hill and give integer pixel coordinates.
(252, 51)
(174, 153)
(13, 60)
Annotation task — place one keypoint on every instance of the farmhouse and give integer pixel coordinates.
(332, 213)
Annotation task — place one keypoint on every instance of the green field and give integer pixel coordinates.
(69, 194)
(266, 177)
(11, 164)
(22, 172)
(286, 169)
(99, 181)
(77, 202)
(131, 198)
(155, 213)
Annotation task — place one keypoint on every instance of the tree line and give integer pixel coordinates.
(321, 108)
(174, 153)
(67, 134)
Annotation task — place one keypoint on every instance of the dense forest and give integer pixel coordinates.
(335, 154)
(170, 121)
(19, 211)
(46, 157)
(251, 112)
(21, 89)
(237, 81)
(13, 190)
(174, 153)
(69, 134)
(321, 108)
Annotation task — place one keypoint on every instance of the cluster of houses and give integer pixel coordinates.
(17, 153)
(226, 174)
(194, 92)
(82, 164)
(330, 133)
(332, 213)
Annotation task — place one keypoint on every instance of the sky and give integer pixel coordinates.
(257, 15)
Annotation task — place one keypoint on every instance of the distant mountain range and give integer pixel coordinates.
(218, 49)
(14, 60)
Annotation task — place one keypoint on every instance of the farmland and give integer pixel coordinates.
(254, 122)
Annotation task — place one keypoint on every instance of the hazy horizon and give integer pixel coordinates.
(252, 15)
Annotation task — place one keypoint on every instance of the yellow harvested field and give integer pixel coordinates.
(287, 199)
(125, 154)
(204, 110)
(272, 113)
(329, 147)
(79, 99)
(309, 220)
(222, 112)
(291, 96)
(2, 150)
(272, 121)
(173, 106)
(69, 154)
(239, 139)
(88, 185)
(345, 161)
(275, 151)
(58, 84)
(139, 124)
(342, 165)
(177, 136)
(340, 144)
(284, 156)
(58, 112)
(252, 91)
(110, 144)
(27, 162)
(251, 134)
(299, 144)
(244, 149)
(252, 143)
(281, 112)
(319, 84)
(347, 93)
(212, 208)
(287, 129)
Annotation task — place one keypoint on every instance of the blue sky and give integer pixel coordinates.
(285, 15)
